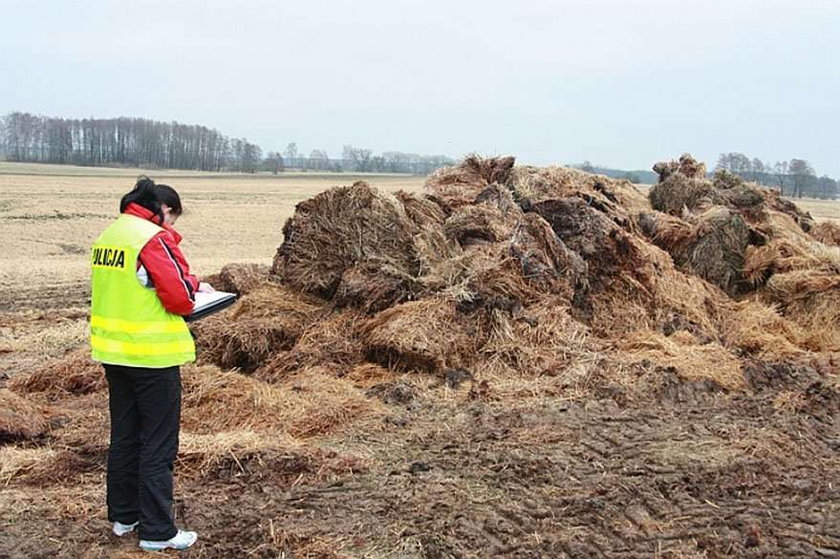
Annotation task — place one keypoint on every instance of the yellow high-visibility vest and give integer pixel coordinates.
(128, 323)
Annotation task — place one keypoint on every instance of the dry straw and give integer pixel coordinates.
(75, 373)
(692, 360)
(241, 278)
(20, 419)
(311, 402)
(827, 232)
(345, 226)
(270, 319)
(428, 335)
(712, 245)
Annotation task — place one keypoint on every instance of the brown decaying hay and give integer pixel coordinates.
(345, 226)
(489, 278)
(241, 278)
(264, 322)
(616, 281)
(665, 230)
(683, 186)
(75, 373)
(788, 254)
(254, 456)
(461, 184)
(774, 202)
(528, 234)
(20, 419)
(331, 342)
(17, 463)
(226, 416)
(201, 453)
(678, 192)
(827, 232)
(543, 341)
(479, 224)
(603, 245)
(632, 283)
(428, 335)
(648, 292)
(692, 360)
(812, 300)
(366, 375)
(429, 216)
(712, 247)
(686, 165)
(618, 199)
(373, 287)
(546, 263)
(760, 331)
(310, 403)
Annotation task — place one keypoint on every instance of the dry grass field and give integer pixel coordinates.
(822, 210)
(49, 220)
(622, 408)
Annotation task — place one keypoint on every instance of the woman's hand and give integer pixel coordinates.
(205, 287)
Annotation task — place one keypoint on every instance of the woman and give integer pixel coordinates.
(141, 289)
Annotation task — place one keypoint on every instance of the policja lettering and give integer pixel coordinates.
(108, 257)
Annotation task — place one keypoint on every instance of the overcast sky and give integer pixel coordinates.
(622, 83)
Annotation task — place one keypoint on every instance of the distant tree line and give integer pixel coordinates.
(795, 178)
(636, 177)
(138, 142)
(135, 142)
(354, 160)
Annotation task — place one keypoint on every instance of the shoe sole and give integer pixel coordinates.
(165, 547)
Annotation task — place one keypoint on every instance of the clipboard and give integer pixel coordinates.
(207, 303)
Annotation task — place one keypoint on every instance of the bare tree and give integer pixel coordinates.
(757, 169)
(780, 169)
(291, 153)
(801, 174)
(826, 188)
(319, 159)
(273, 162)
(359, 158)
(734, 162)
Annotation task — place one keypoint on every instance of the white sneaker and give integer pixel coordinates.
(121, 529)
(181, 540)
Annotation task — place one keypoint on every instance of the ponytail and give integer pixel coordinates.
(151, 196)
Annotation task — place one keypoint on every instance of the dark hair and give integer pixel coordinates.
(151, 196)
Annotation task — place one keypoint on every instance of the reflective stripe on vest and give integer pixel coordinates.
(128, 324)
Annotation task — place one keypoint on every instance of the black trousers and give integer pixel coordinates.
(145, 406)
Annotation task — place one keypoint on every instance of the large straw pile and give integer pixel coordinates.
(503, 270)
(499, 272)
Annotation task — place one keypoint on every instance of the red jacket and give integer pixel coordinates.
(166, 266)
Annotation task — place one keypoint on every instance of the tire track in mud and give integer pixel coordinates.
(591, 479)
